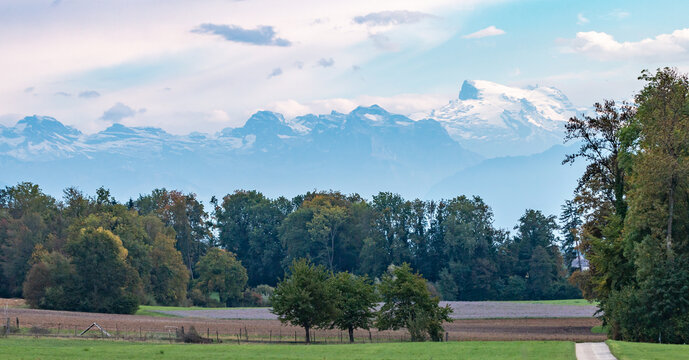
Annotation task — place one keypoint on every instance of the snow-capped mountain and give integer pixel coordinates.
(365, 151)
(498, 120)
(38, 137)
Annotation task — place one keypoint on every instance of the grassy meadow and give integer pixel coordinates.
(644, 351)
(568, 302)
(45, 349)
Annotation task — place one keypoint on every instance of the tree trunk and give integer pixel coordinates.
(351, 334)
(671, 212)
(332, 250)
(308, 334)
(579, 257)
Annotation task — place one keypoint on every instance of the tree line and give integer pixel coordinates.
(167, 248)
(630, 211)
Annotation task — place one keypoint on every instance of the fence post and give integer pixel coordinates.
(447, 335)
(75, 330)
(295, 336)
(217, 337)
(270, 337)
(370, 338)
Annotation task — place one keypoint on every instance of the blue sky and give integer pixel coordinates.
(208, 64)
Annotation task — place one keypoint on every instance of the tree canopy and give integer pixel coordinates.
(407, 303)
(305, 297)
(167, 233)
(634, 198)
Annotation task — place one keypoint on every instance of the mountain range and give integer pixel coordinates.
(494, 141)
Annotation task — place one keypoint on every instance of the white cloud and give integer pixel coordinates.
(118, 112)
(489, 31)
(619, 14)
(398, 17)
(581, 19)
(130, 52)
(89, 94)
(603, 46)
(383, 42)
(218, 116)
(323, 62)
(275, 72)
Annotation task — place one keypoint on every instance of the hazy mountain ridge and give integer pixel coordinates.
(365, 151)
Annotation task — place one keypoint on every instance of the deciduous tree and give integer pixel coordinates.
(305, 298)
(407, 303)
(356, 302)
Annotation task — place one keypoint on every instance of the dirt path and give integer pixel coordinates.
(594, 351)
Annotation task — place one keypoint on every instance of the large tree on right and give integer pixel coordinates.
(638, 239)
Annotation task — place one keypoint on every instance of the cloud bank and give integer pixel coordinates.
(603, 46)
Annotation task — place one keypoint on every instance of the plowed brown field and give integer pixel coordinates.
(133, 327)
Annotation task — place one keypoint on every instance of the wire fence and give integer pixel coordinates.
(252, 332)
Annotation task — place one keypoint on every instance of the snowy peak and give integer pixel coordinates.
(38, 136)
(468, 91)
(487, 118)
(37, 128)
(499, 120)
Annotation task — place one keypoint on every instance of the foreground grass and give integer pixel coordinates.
(570, 302)
(186, 308)
(148, 310)
(14, 348)
(145, 312)
(600, 329)
(638, 351)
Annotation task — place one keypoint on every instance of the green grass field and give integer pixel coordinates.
(643, 351)
(45, 349)
(600, 329)
(149, 310)
(570, 302)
